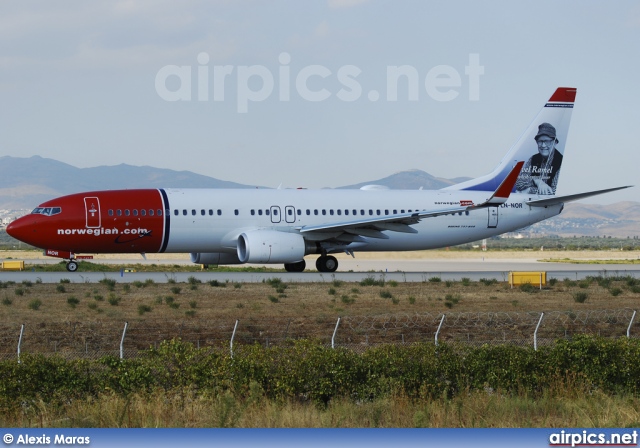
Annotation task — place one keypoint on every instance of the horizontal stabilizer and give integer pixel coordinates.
(572, 197)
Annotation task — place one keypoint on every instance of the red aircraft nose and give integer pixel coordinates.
(23, 229)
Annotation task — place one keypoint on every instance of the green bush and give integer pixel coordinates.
(385, 294)
(580, 297)
(310, 371)
(371, 281)
(528, 288)
(615, 291)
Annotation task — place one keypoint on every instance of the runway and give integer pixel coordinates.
(351, 270)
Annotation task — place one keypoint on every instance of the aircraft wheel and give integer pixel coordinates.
(327, 263)
(72, 266)
(295, 267)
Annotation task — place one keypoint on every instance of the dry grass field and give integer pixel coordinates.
(71, 314)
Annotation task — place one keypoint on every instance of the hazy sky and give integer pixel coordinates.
(302, 93)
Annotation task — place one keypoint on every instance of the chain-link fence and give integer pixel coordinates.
(98, 338)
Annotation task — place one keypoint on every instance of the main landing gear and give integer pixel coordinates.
(327, 263)
(324, 263)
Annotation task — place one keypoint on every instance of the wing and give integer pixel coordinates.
(373, 227)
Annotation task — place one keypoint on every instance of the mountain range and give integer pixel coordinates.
(26, 182)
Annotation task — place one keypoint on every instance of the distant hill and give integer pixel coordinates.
(411, 180)
(621, 220)
(25, 182)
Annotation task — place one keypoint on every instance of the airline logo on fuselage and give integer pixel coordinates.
(104, 231)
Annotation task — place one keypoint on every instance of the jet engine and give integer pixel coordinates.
(271, 246)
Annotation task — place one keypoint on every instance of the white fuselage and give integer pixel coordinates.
(211, 220)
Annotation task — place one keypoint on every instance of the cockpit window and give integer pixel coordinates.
(47, 211)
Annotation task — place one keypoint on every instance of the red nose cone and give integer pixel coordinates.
(23, 229)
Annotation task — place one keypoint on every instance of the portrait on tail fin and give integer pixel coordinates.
(540, 173)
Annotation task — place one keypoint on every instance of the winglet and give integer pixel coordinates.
(505, 188)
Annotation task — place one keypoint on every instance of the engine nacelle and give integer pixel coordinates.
(270, 246)
(214, 258)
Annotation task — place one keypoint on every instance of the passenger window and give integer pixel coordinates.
(266, 212)
(119, 212)
(235, 212)
(315, 212)
(331, 212)
(289, 212)
(135, 212)
(210, 212)
(151, 212)
(324, 212)
(193, 212)
(260, 212)
(184, 212)
(110, 212)
(299, 212)
(143, 212)
(339, 212)
(386, 212)
(253, 212)
(127, 212)
(346, 212)
(308, 212)
(160, 212)
(219, 212)
(202, 212)
(370, 212)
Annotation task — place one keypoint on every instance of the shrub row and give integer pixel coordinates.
(304, 370)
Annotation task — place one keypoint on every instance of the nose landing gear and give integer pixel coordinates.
(72, 266)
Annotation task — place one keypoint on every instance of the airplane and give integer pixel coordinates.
(237, 226)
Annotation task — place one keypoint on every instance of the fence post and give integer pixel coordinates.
(541, 281)
(535, 333)
(233, 335)
(439, 327)
(335, 330)
(124, 333)
(631, 323)
(20, 341)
